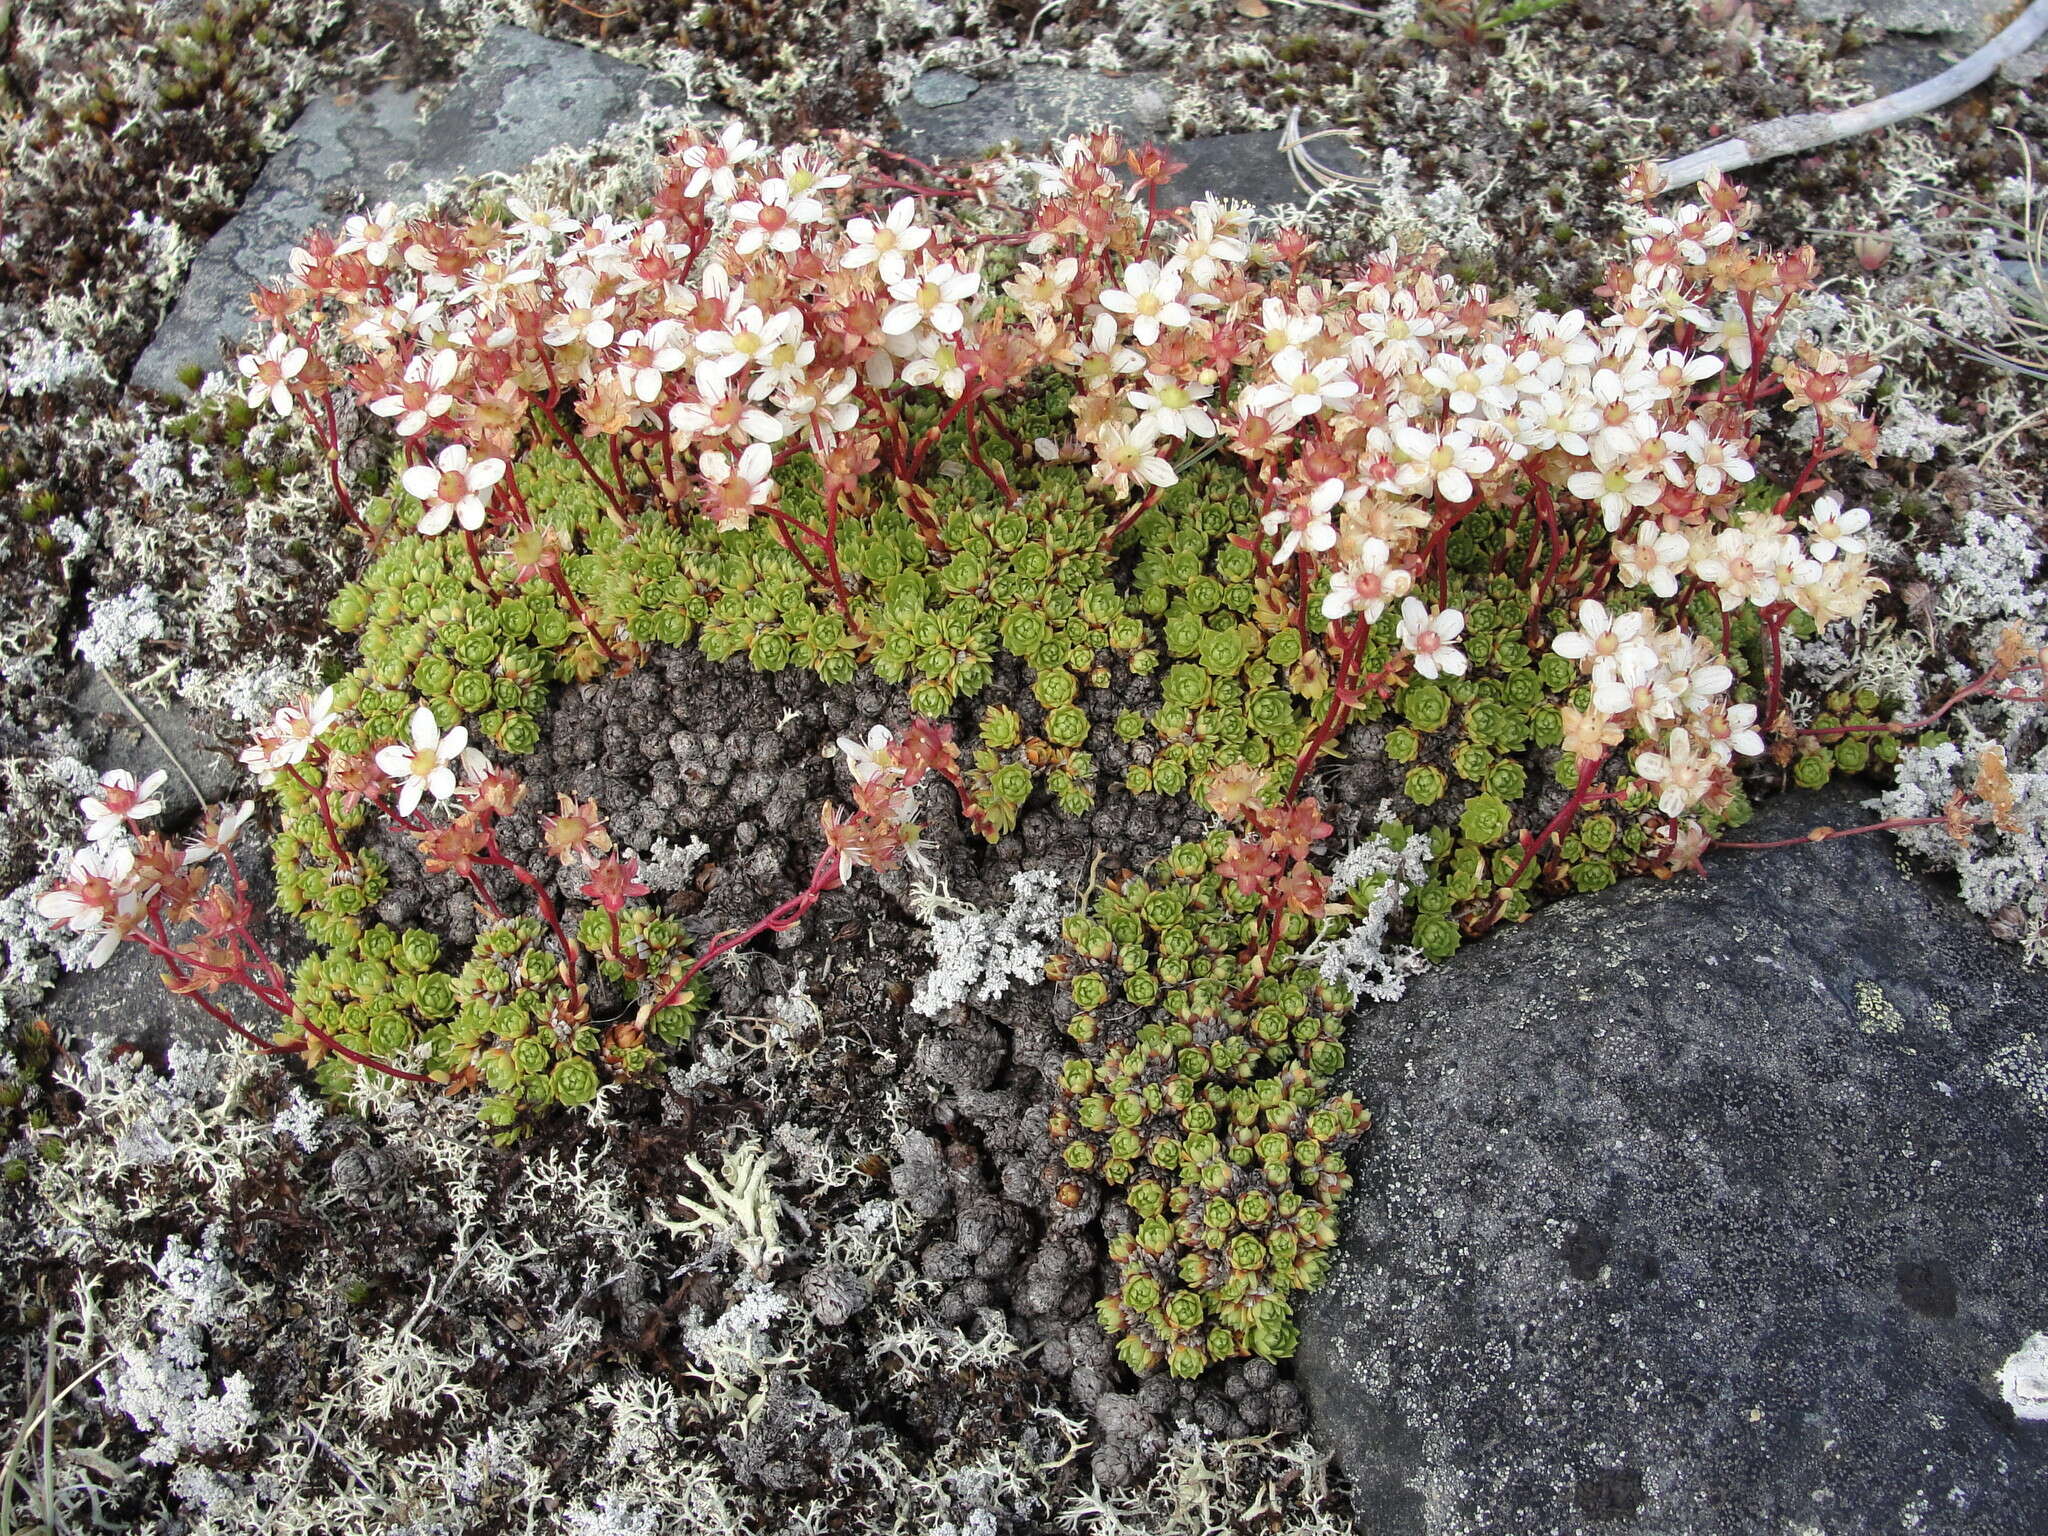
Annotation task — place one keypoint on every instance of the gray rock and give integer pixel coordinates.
(1247, 168)
(526, 95)
(1704, 1207)
(212, 767)
(125, 999)
(522, 96)
(1916, 17)
(942, 88)
(1037, 103)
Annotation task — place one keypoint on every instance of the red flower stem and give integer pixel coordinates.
(571, 954)
(823, 878)
(1582, 796)
(319, 794)
(612, 496)
(1829, 834)
(331, 441)
(1339, 710)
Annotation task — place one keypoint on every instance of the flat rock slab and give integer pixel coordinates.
(1712, 1206)
(950, 116)
(521, 97)
(213, 769)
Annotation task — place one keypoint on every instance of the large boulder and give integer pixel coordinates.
(522, 96)
(1710, 1206)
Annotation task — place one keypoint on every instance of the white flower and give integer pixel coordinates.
(1616, 489)
(118, 801)
(372, 234)
(452, 488)
(1432, 638)
(1598, 635)
(1124, 454)
(1680, 775)
(271, 371)
(774, 219)
(1715, 459)
(1835, 531)
(737, 488)
(1307, 522)
(98, 892)
(1299, 391)
(1366, 585)
(1174, 409)
(1653, 558)
(932, 298)
(650, 356)
(537, 222)
(219, 832)
(887, 244)
(1443, 462)
(1149, 300)
(869, 760)
(423, 768)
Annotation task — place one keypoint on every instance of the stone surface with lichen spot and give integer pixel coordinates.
(522, 96)
(1710, 1207)
(1038, 103)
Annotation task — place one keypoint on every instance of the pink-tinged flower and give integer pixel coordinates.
(1678, 773)
(452, 488)
(613, 883)
(1442, 462)
(931, 298)
(648, 358)
(734, 490)
(1732, 730)
(715, 165)
(119, 803)
(219, 831)
(423, 768)
(774, 219)
(97, 895)
(422, 397)
(1653, 559)
(1715, 460)
(1307, 522)
(1366, 585)
(1432, 638)
(886, 245)
(271, 371)
(1149, 300)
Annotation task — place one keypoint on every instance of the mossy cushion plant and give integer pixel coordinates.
(1024, 415)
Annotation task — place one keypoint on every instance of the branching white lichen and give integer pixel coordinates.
(980, 955)
(1376, 877)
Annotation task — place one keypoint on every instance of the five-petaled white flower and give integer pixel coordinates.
(423, 768)
(888, 243)
(1443, 462)
(97, 895)
(1432, 638)
(119, 802)
(734, 490)
(931, 298)
(1149, 300)
(1835, 531)
(452, 488)
(271, 371)
(869, 760)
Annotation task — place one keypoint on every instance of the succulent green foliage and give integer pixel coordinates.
(1200, 1095)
